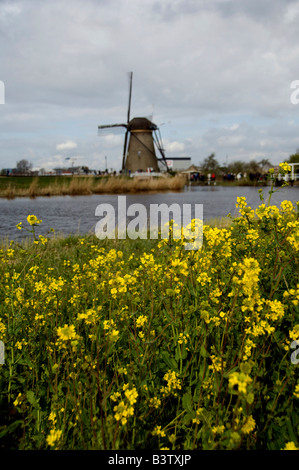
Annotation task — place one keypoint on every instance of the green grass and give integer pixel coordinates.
(141, 344)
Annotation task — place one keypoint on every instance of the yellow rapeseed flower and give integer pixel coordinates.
(290, 446)
(158, 431)
(285, 167)
(249, 425)
(33, 220)
(53, 437)
(66, 332)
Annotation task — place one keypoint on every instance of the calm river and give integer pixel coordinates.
(76, 214)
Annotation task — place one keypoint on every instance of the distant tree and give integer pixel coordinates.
(85, 169)
(253, 167)
(210, 164)
(265, 165)
(23, 166)
(294, 158)
(237, 167)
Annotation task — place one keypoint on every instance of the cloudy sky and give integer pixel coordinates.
(215, 75)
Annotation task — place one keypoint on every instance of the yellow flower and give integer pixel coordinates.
(249, 425)
(113, 335)
(158, 432)
(286, 206)
(131, 395)
(53, 437)
(183, 338)
(66, 332)
(290, 446)
(155, 402)
(141, 320)
(218, 429)
(43, 240)
(122, 412)
(197, 419)
(115, 396)
(241, 380)
(296, 392)
(173, 383)
(285, 167)
(33, 220)
(18, 400)
(52, 417)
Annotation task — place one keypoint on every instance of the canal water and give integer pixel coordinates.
(76, 214)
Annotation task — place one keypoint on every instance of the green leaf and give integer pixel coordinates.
(187, 402)
(10, 428)
(187, 418)
(169, 361)
(203, 351)
(290, 430)
(32, 399)
(250, 398)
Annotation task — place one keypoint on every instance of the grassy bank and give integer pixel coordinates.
(26, 186)
(141, 344)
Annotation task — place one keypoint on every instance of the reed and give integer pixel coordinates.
(76, 186)
(134, 185)
(9, 192)
(33, 188)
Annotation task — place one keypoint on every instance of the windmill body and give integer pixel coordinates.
(141, 153)
(141, 135)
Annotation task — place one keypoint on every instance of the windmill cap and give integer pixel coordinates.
(139, 124)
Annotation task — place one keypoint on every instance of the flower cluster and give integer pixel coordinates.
(125, 408)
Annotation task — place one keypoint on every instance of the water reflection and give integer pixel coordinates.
(76, 214)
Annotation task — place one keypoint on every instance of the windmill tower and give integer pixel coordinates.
(142, 136)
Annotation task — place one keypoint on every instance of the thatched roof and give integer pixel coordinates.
(191, 169)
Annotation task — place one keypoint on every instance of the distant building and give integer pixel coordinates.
(6, 171)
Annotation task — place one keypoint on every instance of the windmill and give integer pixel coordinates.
(141, 138)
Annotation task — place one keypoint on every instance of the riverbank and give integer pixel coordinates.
(32, 186)
(28, 186)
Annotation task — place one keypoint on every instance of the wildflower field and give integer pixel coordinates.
(141, 344)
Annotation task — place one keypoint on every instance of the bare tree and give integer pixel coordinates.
(265, 165)
(237, 167)
(23, 166)
(210, 164)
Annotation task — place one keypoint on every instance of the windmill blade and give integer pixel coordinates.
(158, 142)
(107, 126)
(130, 96)
(116, 129)
(125, 150)
(128, 120)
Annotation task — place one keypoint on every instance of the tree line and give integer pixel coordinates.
(253, 167)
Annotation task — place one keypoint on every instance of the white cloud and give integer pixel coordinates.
(111, 141)
(292, 12)
(174, 146)
(69, 144)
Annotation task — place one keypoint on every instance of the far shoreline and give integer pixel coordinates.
(29, 186)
